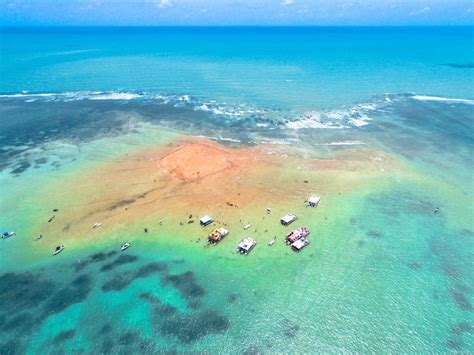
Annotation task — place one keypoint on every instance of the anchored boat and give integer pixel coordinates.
(206, 220)
(288, 219)
(6, 235)
(58, 249)
(217, 235)
(313, 201)
(246, 245)
(125, 246)
(96, 225)
(296, 234)
(300, 244)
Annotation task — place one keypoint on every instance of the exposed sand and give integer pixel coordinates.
(196, 176)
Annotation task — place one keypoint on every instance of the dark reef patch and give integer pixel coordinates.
(454, 345)
(159, 309)
(374, 234)
(118, 283)
(20, 168)
(186, 284)
(467, 233)
(22, 323)
(194, 304)
(233, 297)
(128, 338)
(150, 268)
(451, 271)
(168, 321)
(462, 328)
(289, 328)
(121, 260)
(188, 329)
(64, 336)
(107, 346)
(94, 258)
(106, 329)
(76, 292)
(20, 291)
(415, 266)
(458, 293)
(125, 279)
(80, 265)
(41, 161)
(11, 348)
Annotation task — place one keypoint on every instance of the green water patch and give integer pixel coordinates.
(47, 308)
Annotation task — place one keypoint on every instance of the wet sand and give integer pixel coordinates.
(195, 177)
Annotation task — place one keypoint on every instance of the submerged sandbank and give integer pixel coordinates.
(162, 186)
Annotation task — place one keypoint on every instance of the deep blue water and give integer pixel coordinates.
(300, 68)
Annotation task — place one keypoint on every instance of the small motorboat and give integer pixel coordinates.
(271, 242)
(125, 246)
(6, 235)
(96, 225)
(247, 226)
(58, 249)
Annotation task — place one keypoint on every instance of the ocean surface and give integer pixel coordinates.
(390, 267)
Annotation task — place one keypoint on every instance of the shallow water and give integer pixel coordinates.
(389, 268)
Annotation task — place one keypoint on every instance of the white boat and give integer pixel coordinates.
(246, 245)
(96, 225)
(125, 246)
(6, 235)
(300, 244)
(58, 249)
(247, 226)
(206, 220)
(287, 219)
(313, 201)
(271, 242)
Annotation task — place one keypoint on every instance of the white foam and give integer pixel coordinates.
(114, 96)
(315, 119)
(344, 143)
(78, 95)
(443, 99)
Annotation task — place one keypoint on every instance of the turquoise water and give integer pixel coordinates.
(390, 264)
(301, 68)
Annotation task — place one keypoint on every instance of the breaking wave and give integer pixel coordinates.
(355, 116)
(443, 99)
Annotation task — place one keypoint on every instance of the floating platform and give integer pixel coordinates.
(246, 245)
(313, 201)
(297, 234)
(217, 235)
(300, 244)
(206, 220)
(288, 219)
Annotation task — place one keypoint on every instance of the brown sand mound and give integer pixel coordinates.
(195, 161)
(200, 177)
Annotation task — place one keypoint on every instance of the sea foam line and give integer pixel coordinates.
(442, 99)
